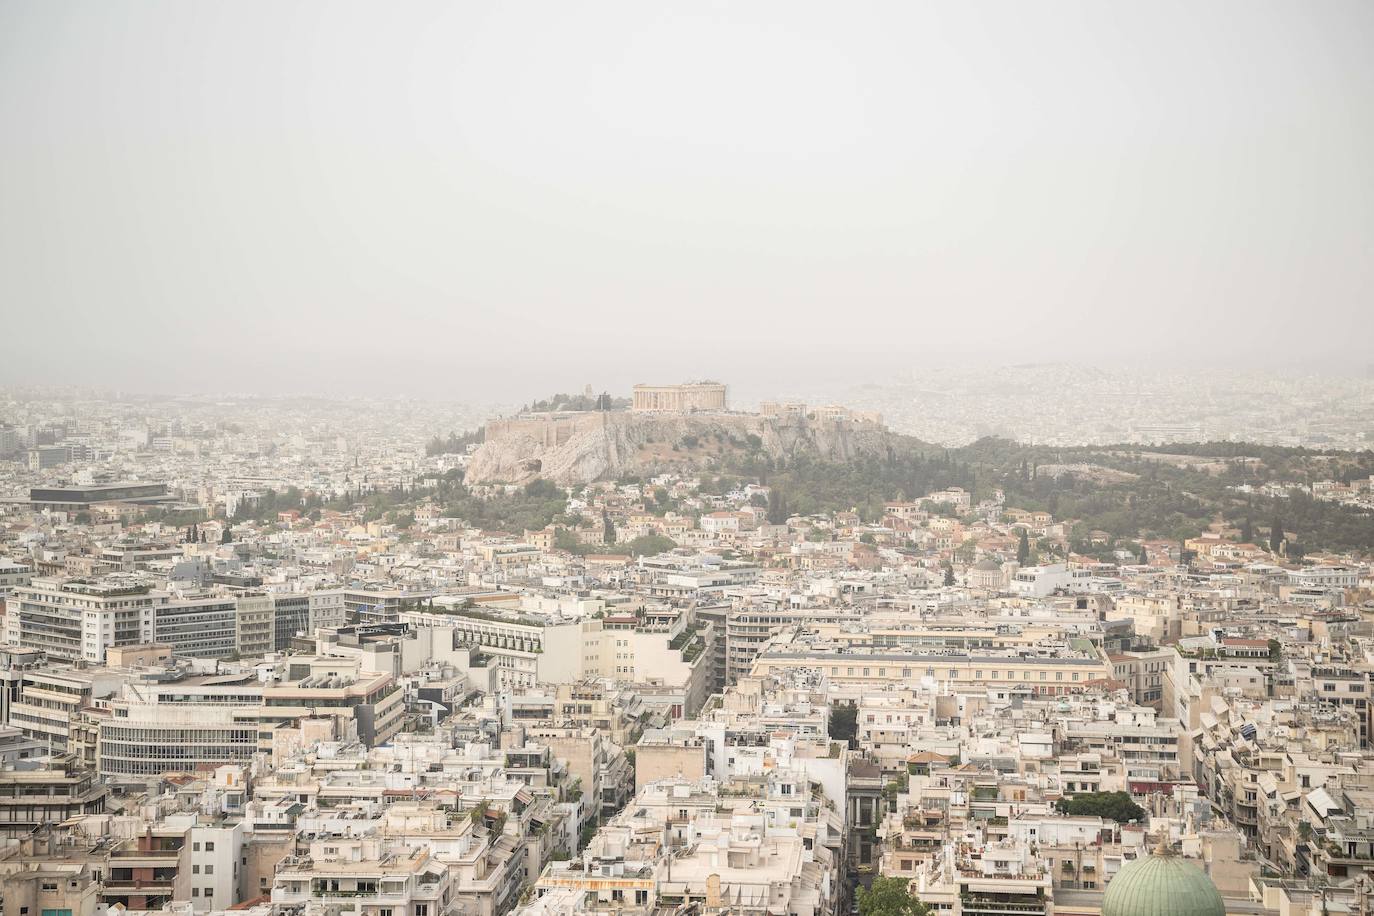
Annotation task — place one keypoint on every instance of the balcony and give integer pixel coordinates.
(997, 906)
(143, 886)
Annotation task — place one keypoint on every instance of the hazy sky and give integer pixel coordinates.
(480, 199)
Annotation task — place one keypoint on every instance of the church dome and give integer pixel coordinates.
(987, 565)
(1162, 885)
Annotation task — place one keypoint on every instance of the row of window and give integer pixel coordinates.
(995, 675)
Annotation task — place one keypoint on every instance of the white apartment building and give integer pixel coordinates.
(12, 576)
(1333, 578)
(1042, 581)
(47, 703)
(78, 619)
(526, 652)
(209, 874)
(363, 877)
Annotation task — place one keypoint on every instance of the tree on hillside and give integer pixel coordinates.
(455, 444)
(890, 897)
(1275, 535)
(1023, 548)
(1247, 533)
(777, 507)
(650, 545)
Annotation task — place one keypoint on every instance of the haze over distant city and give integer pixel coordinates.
(772, 458)
(458, 202)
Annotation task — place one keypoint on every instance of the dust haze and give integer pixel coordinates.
(466, 200)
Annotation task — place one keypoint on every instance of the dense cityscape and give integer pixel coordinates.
(646, 653)
(770, 458)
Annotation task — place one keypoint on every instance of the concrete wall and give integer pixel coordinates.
(661, 761)
(261, 856)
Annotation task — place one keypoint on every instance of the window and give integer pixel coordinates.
(209, 869)
(195, 892)
(210, 847)
(422, 909)
(195, 869)
(195, 847)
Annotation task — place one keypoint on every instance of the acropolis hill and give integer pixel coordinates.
(667, 427)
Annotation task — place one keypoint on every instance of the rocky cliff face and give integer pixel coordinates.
(593, 446)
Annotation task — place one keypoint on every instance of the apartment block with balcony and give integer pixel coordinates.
(142, 871)
(49, 704)
(78, 619)
(364, 877)
(994, 879)
(318, 685)
(39, 792)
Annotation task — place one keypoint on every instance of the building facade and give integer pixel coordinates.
(685, 398)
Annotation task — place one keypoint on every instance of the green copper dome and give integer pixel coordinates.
(1162, 885)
